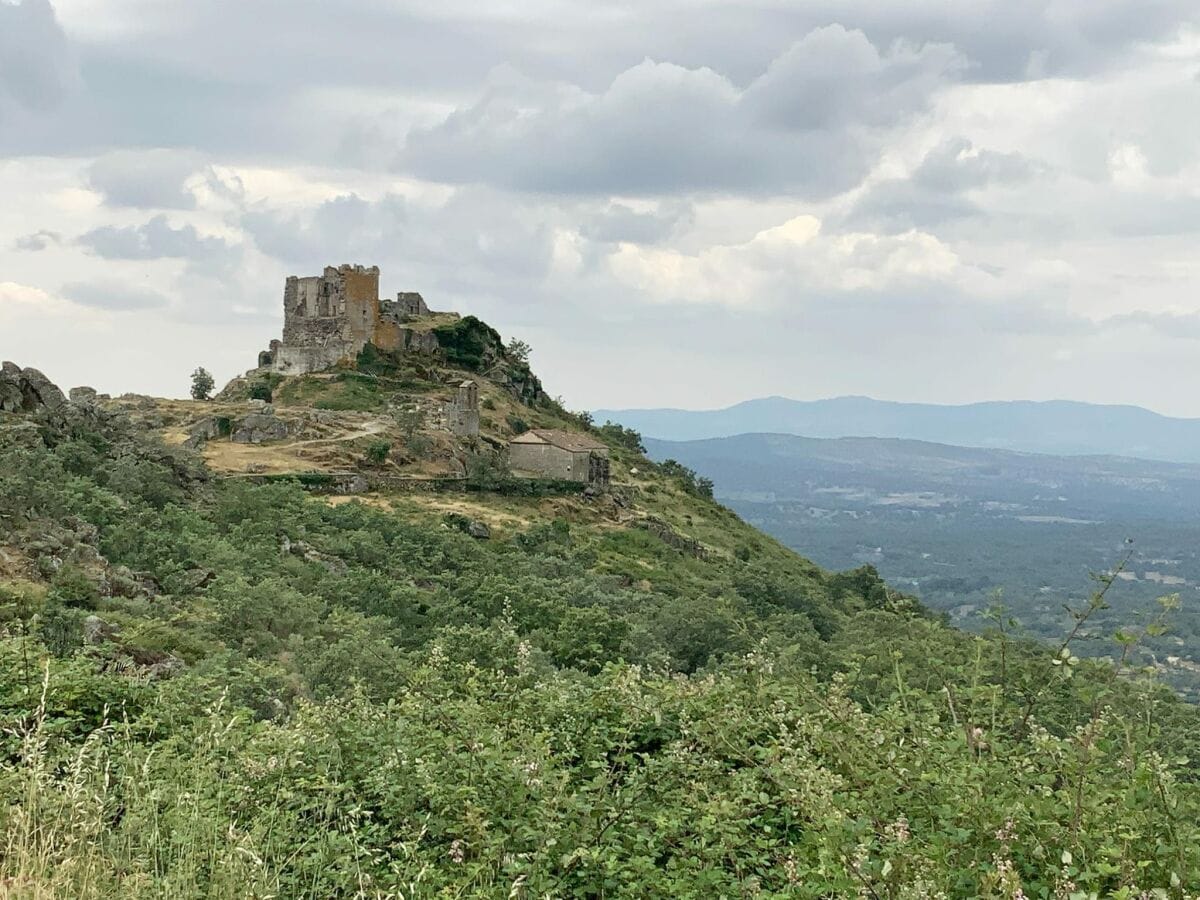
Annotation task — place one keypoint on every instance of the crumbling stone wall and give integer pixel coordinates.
(326, 318)
(408, 304)
(329, 318)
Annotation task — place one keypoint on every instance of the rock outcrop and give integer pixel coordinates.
(257, 428)
(200, 432)
(27, 390)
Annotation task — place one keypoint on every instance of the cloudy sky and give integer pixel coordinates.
(676, 202)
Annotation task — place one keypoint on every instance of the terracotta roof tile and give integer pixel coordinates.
(564, 440)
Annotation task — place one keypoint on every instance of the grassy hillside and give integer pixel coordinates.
(218, 681)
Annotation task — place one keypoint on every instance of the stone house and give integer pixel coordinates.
(565, 455)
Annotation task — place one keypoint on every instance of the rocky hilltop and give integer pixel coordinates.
(27, 390)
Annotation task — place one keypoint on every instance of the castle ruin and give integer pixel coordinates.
(330, 318)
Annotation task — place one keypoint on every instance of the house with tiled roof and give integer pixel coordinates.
(564, 455)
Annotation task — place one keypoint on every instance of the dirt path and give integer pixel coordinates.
(376, 427)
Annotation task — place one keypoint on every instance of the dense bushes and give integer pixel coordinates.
(622, 437)
(380, 706)
(469, 342)
(691, 482)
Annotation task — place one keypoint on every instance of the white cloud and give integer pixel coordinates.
(23, 299)
(731, 199)
(793, 259)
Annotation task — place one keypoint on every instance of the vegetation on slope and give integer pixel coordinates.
(220, 688)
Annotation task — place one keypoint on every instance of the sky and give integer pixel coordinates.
(675, 203)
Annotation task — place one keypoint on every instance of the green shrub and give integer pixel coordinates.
(619, 436)
(469, 342)
(688, 479)
(373, 360)
(260, 390)
(377, 452)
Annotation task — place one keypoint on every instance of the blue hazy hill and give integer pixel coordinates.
(1059, 427)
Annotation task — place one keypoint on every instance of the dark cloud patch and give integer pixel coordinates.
(1184, 326)
(955, 165)
(204, 77)
(619, 223)
(155, 239)
(344, 228)
(937, 191)
(35, 59)
(1005, 41)
(38, 241)
(113, 296)
(836, 78)
(810, 124)
(146, 179)
(895, 205)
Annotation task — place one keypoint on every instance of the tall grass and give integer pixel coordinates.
(104, 819)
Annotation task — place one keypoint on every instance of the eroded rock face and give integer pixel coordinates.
(83, 394)
(11, 398)
(27, 390)
(40, 391)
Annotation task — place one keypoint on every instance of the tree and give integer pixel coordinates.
(409, 419)
(626, 438)
(202, 384)
(377, 452)
(518, 351)
(487, 471)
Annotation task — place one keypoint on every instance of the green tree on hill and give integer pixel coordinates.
(202, 384)
(518, 351)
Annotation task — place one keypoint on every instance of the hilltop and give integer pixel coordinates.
(1055, 427)
(356, 653)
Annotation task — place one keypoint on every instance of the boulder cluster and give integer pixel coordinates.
(27, 390)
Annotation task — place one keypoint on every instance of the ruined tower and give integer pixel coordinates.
(462, 413)
(329, 318)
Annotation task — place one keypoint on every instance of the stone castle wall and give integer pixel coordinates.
(329, 318)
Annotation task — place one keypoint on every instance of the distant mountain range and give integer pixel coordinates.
(1057, 426)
